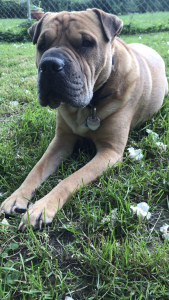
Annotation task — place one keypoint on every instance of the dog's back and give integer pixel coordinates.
(151, 60)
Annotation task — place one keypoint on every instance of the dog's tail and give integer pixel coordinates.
(166, 87)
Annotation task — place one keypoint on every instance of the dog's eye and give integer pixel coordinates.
(42, 47)
(87, 43)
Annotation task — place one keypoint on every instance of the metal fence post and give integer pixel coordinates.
(29, 10)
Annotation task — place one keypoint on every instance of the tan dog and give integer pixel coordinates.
(78, 54)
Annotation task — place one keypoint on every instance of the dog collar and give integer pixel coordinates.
(96, 97)
(93, 122)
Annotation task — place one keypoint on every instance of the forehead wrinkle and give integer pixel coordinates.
(89, 17)
(54, 25)
(47, 38)
(60, 23)
(66, 20)
(83, 21)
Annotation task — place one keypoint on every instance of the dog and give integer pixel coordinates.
(101, 88)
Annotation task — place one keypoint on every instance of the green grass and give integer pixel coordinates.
(79, 255)
(9, 24)
(145, 23)
(12, 30)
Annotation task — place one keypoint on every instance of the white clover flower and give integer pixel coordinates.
(14, 103)
(135, 154)
(110, 218)
(27, 92)
(141, 210)
(68, 298)
(165, 230)
(168, 43)
(154, 135)
(161, 146)
(5, 224)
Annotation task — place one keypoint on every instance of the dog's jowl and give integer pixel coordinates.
(101, 88)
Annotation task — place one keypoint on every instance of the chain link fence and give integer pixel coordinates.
(21, 8)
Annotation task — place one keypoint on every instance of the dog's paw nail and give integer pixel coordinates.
(14, 209)
(23, 228)
(40, 224)
(38, 217)
(20, 225)
(30, 205)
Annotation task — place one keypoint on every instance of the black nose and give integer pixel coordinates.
(51, 65)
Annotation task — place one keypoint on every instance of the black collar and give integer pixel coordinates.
(96, 97)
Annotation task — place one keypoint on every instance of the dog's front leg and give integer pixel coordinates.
(61, 146)
(45, 209)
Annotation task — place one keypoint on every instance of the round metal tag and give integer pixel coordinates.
(93, 123)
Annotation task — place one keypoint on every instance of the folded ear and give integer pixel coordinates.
(112, 25)
(34, 30)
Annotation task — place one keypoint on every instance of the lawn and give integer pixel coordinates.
(145, 23)
(16, 29)
(10, 24)
(84, 254)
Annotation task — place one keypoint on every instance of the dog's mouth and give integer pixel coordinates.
(52, 101)
(60, 90)
(53, 98)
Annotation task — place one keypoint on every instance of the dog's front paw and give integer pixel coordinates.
(39, 213)
(15, 203)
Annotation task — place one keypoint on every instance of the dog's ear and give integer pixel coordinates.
(34, 30)
(112, 25)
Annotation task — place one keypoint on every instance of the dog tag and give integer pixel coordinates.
(93, 122)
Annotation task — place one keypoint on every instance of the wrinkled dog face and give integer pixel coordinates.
(70, 60)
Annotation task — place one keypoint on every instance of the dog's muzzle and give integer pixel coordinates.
(60, 80)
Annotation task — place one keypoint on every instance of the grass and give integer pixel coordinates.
(145, 23)
(80, 254)
(16, 29)
(10, 24)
